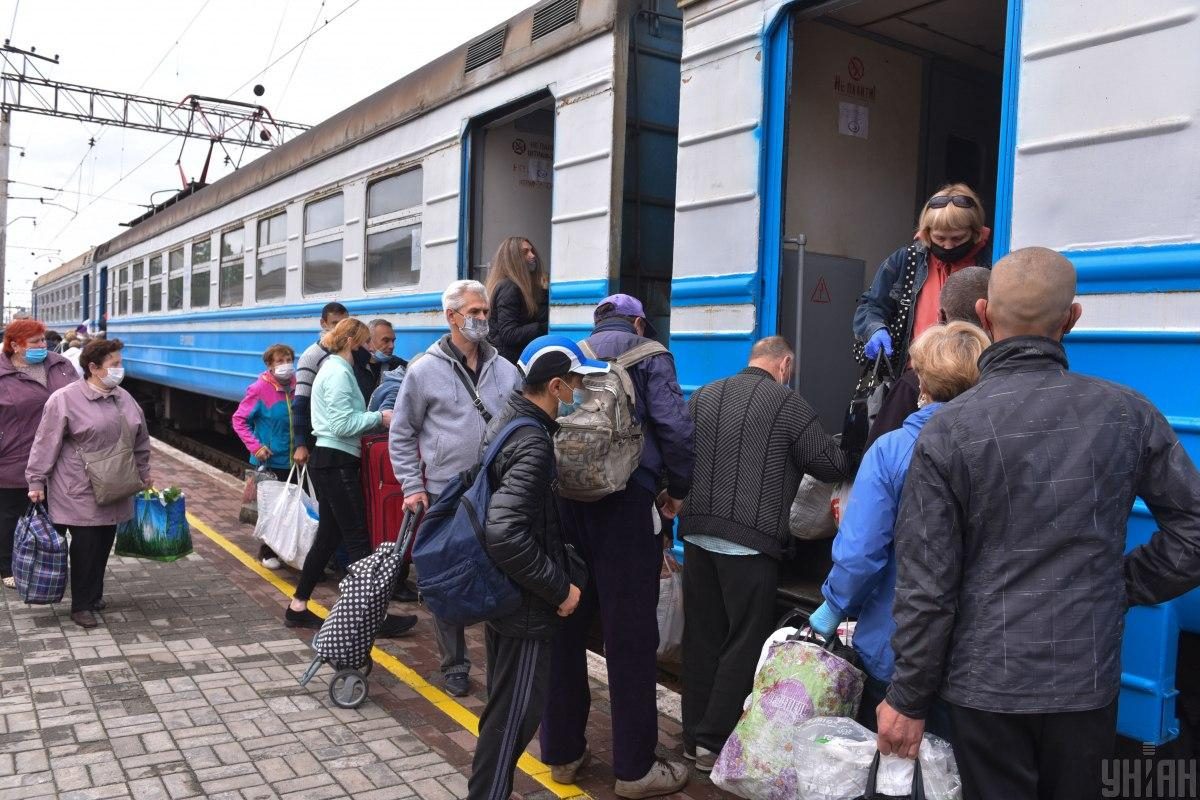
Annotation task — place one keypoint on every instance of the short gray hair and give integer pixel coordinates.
(375, 323)
(772, 348)
(454, 296)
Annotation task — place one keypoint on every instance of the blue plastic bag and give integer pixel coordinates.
(159, 529)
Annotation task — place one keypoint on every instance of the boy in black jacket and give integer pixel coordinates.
(522, 536)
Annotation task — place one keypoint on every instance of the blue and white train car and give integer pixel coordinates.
(557, 125)
(810, 134)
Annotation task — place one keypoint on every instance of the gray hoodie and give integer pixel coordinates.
(435, 416)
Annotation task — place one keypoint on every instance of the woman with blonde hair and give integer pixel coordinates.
(862, 582)
(903, 299)
(339, 419)
(519, 288)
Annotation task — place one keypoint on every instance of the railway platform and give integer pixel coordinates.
(190, 689)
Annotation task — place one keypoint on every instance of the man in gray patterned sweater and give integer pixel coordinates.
(755, 439)
(1012, 578)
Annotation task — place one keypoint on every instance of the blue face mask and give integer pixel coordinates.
(381, 356)
(577, 398)
(36, 355)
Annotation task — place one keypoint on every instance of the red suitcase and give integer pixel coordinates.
(382, 492)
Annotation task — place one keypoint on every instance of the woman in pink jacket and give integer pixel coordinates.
(88, 416)
(263, 422)
(29, 374)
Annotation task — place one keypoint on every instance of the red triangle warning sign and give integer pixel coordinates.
(821, 293)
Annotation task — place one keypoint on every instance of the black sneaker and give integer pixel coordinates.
(301, 619)
(458, 684)
(403, 594)
(397, 625)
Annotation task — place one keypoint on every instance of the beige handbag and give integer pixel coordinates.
(112, 471)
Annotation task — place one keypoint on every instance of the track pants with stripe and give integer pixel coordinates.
(518, 672)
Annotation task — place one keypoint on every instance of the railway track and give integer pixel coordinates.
(213, 456)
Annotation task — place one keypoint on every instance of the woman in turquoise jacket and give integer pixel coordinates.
(263, 421)
(339, 420)
(862, 582)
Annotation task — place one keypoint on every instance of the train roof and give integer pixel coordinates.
(538, 32)
(64, 269)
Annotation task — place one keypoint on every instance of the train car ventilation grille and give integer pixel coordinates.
(486, 48)
(550, 18)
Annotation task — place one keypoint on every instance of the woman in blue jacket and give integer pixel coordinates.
(862, 582)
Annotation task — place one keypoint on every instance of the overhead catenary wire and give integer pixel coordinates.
(293, 48)
(311, 29)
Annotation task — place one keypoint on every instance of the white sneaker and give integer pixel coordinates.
(664, 777)
(566, 773)
(705, 759)
(272, 563)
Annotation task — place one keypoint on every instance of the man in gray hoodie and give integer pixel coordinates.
(449, 395)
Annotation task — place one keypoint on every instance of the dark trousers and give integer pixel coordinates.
(338, 484)
(616, 538)
(517, 673)
(90, 547)
(451, 638)
(729, 611)
(13, 503)
(1032, 756)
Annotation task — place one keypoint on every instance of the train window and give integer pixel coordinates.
(394, 193)
(155, 266)
(233, 267)
(324, 221)
(175, 293)
(270, 274)
(323, 215)
(200, 288)
(201, 252)
(393, 256)
(175, 259)
(272, 230)
(138, 270)
(139, 304)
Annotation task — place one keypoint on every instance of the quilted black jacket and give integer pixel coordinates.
(522, 533)
(1012, 580)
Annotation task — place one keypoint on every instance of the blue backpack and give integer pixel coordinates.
(457, 578)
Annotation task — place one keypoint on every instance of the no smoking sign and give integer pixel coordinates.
(856, 68)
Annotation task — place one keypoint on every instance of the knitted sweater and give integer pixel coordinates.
(754, 440)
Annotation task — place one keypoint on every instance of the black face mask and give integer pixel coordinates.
(954, 254)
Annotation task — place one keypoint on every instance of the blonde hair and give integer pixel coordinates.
(946, 358)
(348, 331)
(509, 264)
(951, 217)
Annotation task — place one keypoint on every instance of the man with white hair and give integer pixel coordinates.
(450, 394)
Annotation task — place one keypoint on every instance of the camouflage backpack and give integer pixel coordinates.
(599, 445)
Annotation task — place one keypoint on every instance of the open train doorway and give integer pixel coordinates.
(888, 101)
(512, 180)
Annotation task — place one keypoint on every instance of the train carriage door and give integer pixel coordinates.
(511, 171)
(85, 299)
(100, 321)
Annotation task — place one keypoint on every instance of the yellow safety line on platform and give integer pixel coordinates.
(407, 675)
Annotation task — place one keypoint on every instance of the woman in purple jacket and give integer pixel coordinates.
(28, 376)
(91, 415)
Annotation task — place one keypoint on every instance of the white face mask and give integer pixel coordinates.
(284, 372)
(474, 329)
(114, 377)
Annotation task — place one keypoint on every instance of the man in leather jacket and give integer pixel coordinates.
(521, 534)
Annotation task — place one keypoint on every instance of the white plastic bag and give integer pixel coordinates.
(670, 611)
(833, 756)
(817, 510)
(287, 517)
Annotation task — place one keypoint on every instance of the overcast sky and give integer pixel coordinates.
(172, 49)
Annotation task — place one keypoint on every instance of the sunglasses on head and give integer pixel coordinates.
(960, 200)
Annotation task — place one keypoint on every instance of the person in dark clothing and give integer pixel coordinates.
(903, 299)
(521, 534)
(1012, 583)
(518, 286)
(755, 439)
(957, 302)
(616, 537)
(307, 367)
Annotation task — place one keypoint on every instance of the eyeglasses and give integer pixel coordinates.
(960, 200)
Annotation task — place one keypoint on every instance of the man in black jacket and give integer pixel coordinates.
(521, 534)
(755, 439)
(1011, 585)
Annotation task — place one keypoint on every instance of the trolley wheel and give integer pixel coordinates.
(364, 669)
(348, 689)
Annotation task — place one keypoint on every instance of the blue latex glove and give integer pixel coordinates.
(825, 620)
(880, 338)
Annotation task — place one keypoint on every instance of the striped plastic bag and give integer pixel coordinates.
(39, 558)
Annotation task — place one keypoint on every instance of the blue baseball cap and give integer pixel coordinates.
(553, 356)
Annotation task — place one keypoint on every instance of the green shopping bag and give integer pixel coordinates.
(159, 528)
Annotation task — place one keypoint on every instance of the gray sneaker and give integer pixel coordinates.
(664, 777)
(566, 773)
(705, 759)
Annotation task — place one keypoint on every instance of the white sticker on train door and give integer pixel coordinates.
(853, 119)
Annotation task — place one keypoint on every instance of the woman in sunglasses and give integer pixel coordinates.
(903, 299)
